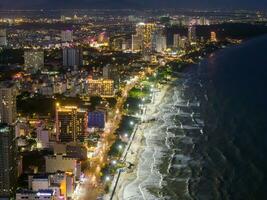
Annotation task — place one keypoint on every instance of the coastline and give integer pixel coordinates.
(138, 146)
(128, 184)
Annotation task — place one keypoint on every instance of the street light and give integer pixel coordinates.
(107, 178)
(120, 147)
(113, 162)
(131, 123)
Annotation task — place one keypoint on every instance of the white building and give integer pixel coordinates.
(42, 137)
(47, 194)
(59, 162)
(39, 183)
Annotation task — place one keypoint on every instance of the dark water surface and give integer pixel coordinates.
(219, 144)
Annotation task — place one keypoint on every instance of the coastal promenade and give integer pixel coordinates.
(134, 151)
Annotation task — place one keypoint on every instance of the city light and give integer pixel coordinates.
(107, 178)
(89, 94)
(113, 162)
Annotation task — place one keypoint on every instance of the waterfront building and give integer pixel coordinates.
(71, 123)
(101, 87)
(8, 109)
(8, 161)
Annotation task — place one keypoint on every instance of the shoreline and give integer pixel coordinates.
(138, 146)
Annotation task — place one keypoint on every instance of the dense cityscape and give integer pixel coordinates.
(78, 88)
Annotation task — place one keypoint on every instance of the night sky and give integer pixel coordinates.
(137, 4)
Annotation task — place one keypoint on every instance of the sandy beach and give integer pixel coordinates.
(136, 150)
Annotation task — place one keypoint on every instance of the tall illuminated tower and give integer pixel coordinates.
(8, 109)
(192, 33)
(8, 164)
(146, 30)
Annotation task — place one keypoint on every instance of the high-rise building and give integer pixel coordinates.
(34, 59)
(8, 109)
(107, 72)
(8, 169)
(203, 21)
(176, 39)
(137, 42)
(3, 40)
(72, 57)
(67, 36)
(192, 33)
(213, 36)
(145, 31)
(71, 123)
(161, 43)
(101, 87)
(183, 42)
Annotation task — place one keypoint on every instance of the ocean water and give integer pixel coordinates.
(210, 139)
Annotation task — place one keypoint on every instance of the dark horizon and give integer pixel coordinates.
(132, 4)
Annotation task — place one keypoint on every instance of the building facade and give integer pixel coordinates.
(3, 37)
(59, 162)
(8, 161)
(72, 57)
(67, 36)
(192, 37)
(71, 123)
(101, 87)
(8, 109)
